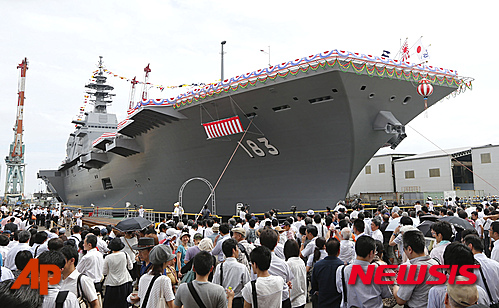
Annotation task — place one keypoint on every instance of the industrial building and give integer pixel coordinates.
(463, 172)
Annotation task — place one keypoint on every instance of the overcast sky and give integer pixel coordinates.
(181, 39)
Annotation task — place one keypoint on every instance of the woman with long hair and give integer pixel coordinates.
(319, 253)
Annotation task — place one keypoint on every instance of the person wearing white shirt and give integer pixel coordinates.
(310, 234)
(92, 263)
(78, 217)
(478, 223)
(489, 269)
(298, 293)
(319, 253)
(494, 234)
(58, 259)
(376, 232)
(442, 232)
(141, 211)
(24, 237)
(5, 274)
(78, 284)
(118, 281)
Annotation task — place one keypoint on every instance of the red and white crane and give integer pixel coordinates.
(14, 181)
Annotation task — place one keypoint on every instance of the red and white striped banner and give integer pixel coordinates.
(104, 136)
(223, 127)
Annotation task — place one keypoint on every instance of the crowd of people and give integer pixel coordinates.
(250, 261)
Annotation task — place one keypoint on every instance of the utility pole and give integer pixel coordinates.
(268, 53)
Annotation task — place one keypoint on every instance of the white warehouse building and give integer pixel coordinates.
(460, 169)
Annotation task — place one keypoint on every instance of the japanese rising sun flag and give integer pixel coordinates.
(225, 127)
(405, 52)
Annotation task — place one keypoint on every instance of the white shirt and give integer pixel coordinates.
(298, 293)
(347, 251)
(309, 249)
(102, 246)
(494, 255)
(310, 260)
(141, 212)
(92, 265)
(116, 266)
(131, 241)
(11, 255)
(377, 235)
(438, 252)
(162, 286)
(39, 248)
(6, 274)
(490, 269)
(268, 289)
(49, 299)
(86, 284)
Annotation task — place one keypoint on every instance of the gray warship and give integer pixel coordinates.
(293, 134)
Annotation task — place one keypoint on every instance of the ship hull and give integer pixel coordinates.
(308, 137)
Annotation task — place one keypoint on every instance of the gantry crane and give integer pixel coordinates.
(14, 181)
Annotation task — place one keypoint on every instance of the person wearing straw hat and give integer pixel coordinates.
(154, 286)
(118, 281)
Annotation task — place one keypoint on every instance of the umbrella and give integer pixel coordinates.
(133, 224)
(425, 227)
(458, 222)
(429, 217)
(395, 223)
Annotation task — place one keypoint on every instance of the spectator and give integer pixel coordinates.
(358, 228)
(319, 253)
(210, 294)
(232, 273)
(80, 285)
(118, 280)
(129, 239)
(459, 295)
(49, 300)
(4, 243)
(55, 244)
(245, 248)
(278, 267)
(455, 254)
(297, 294)
(159, 285)
(144, 246)
(442, 232)
(376, 232)
(415, 295)
(24, 297)
(24, 237)
(347, 246)
(192, 251)
(181, 250)
(324, 277)
(224, 235)
(22, 259)
(360, 294)
(40, 243)
(311, 235)
(267, 288)
(494, 233)
(92, 263)
(489, 269)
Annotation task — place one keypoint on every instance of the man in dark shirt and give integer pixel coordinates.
(11, 226)
(324, 276)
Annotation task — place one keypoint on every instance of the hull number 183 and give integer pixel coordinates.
(259, 149)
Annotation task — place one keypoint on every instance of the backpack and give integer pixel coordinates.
(251, 237)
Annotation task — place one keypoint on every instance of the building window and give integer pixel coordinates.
(368, 169)
(106, 184)
(409, 174)
(381, 168)
(435, 173)
(485, 158)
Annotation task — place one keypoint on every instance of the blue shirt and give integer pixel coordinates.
(324, 281)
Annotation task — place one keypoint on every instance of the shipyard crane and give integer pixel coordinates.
(14, 181)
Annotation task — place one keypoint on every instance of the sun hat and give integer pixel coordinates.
(463, 294)
(215, 227)
(160, 254)
(240, 231)
(116, 244)
(206, 244)
(144, 243)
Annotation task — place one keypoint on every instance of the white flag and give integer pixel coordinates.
(421, 51)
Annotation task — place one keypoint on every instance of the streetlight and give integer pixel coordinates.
(222, 74)
(267, 53)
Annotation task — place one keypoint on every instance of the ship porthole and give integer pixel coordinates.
(406, 99)
(371, 95)
(392, 98)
